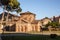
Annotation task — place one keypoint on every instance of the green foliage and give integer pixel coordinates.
(46, 17)
(14, 3)
(47, 24)
(11, 5)
(19, 10)
(4, 2)
(53, 24)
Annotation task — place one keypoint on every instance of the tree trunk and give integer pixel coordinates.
(2, 17)
(7, 18)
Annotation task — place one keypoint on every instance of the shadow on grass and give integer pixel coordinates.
(25, 36)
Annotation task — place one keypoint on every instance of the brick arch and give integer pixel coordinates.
(25, 28)
(22, 28)
(36, 28)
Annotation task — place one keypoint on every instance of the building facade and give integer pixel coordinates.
(26, 22)
(56, 19)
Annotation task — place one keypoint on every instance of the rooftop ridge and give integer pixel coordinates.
(23, 13)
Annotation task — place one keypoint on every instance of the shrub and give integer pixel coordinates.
(53, 36)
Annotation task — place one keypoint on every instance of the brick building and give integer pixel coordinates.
(27, 23)
(24, 23)
(56, 19)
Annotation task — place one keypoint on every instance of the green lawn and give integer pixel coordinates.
(34, 37)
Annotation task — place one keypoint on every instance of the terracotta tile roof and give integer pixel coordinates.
(45, 18)
(35, 21)
(25, 13)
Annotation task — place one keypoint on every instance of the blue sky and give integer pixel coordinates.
(42, 8)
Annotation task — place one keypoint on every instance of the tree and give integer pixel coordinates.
(48, 24)
(46, 17)
(10, 5)
(53, 24)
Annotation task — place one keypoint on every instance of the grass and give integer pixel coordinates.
(34, 37)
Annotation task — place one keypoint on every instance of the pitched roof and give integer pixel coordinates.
(35, 21)
(26, 13)
(45, 18)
